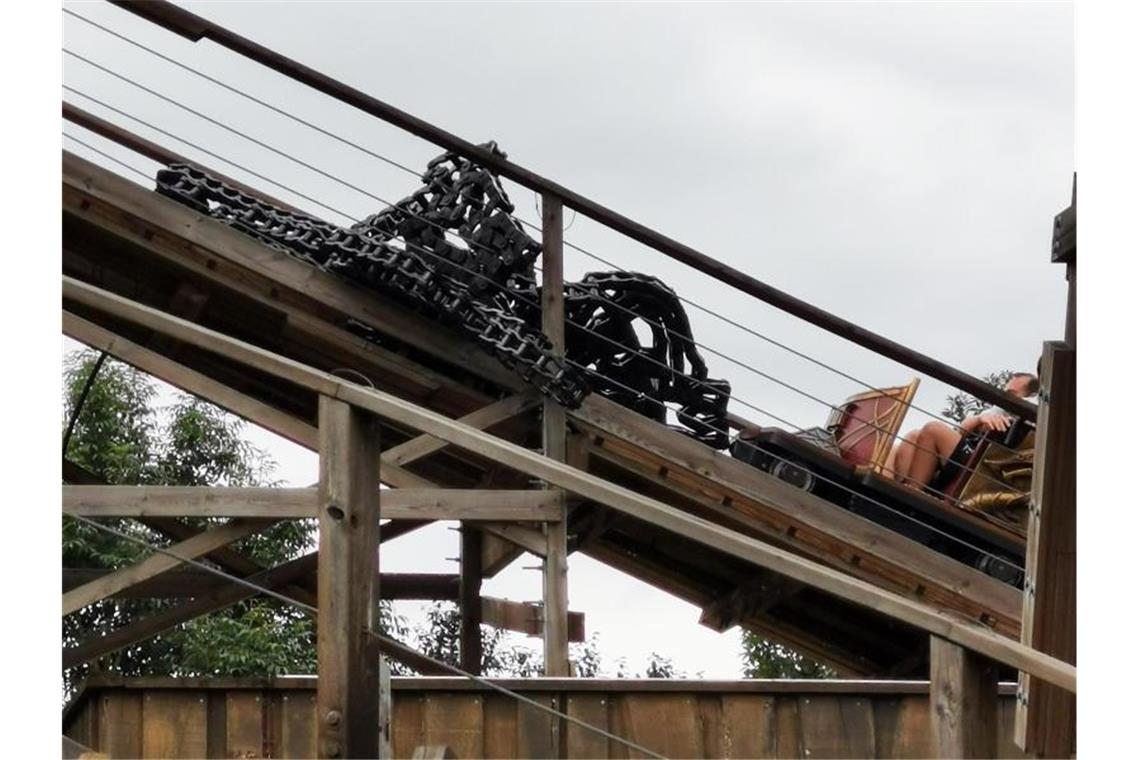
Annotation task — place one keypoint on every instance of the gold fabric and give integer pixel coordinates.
(1014, 469)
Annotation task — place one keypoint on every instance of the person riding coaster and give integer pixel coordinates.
(921, 454)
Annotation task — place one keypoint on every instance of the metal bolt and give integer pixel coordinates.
(333, 718)
(332, 748)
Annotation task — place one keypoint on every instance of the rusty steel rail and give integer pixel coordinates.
(196, 28)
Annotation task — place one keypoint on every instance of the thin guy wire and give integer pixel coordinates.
(78, 408)
(566, 243)
(108, 156)
(369, 194)
(387, 639)
(536, 306)
(243, 94)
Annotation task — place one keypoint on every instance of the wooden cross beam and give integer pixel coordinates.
(158, 563)
(184, 582)
(751, 599)
(301, 503)
(528, 617)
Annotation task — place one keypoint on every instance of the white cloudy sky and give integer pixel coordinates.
(896, 164)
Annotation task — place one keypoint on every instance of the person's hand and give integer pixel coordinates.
(997, 423)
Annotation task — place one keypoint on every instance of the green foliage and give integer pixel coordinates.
(122, 436)
(767, 659)
(661, 666)
(961, 405)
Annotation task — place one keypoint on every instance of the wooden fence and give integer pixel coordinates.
(167, 717)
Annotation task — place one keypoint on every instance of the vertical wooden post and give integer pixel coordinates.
(348, 589)
(554, 594)
(1045, 721)
(470, 604)
(385, 713)
(963, 702)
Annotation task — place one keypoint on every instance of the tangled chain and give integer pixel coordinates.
(454, 252)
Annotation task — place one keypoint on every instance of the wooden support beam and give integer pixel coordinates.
(555, 596)
(498, 553)
(300, 503)
(143, 629)
(492, 414)
(534, 541)
(751, 599)
(183, 582)
(591, 487)
(190, 501)
(528, 618)
(348, 686)
(158, 563)
(963, 702)
(1045, 720)
(470, 610)
(470, 504)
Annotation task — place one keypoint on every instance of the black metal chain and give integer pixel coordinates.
(488, 289)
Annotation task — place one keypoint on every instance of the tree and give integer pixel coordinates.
(767, 659)
(661, 666)
(961, 405)
(122, 436)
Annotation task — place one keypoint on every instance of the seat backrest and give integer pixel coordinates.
(866, 424)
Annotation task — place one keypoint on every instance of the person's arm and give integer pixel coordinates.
(984, 423)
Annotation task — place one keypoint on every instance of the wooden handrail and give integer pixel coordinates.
(969, 635)
(195, 28)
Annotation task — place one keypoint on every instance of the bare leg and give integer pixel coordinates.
(901, 456)
(936, 442)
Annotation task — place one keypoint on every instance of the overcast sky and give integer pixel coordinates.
(896, 164)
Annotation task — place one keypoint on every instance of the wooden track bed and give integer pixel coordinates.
(133, 242)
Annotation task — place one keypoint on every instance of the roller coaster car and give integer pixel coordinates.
(976, 509)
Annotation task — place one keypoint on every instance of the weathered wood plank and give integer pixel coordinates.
(748, 726)
(555, 595)
(589, 708)
(155, 624)
(407, 725)
(532, 540)
(157, 563)
(470, 605)
(1047, 717)
(527, 617)
(500, 727)
(245, 724)
(455, 721)
(664, 723)
(538, 730)
(174, 724)
(837, 727)
(348, 687)
(121, 724)
(301, 503)
(190, 501)
(963, 702)
(424, 445)
(299, 725)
